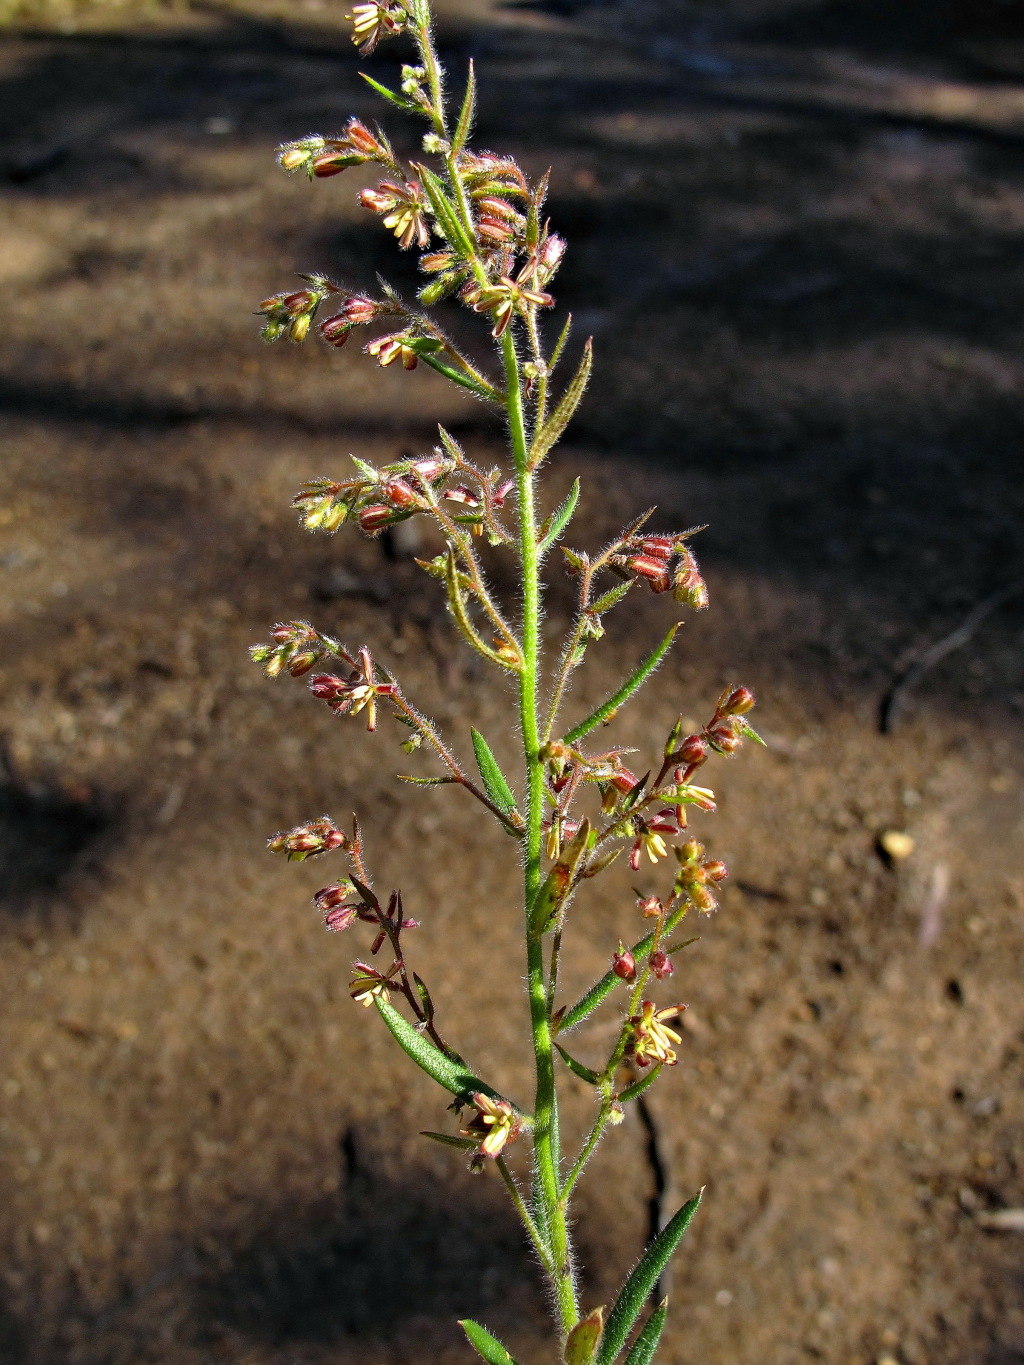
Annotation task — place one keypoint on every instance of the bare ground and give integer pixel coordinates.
(796, 236)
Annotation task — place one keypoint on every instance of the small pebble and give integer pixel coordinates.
(896, 844)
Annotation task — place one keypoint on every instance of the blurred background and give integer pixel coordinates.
(796, 232)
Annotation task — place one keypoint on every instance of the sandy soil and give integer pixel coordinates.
(796, 237)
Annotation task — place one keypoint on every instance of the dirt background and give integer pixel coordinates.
(796, 234)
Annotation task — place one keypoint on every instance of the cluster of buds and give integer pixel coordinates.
(308, 841)
(651, 1039)
(404, 211)
(405, 346)
(321, 157)
(356, 311)
(495, 1124)
(295, 646)
(697, 874)
(723, 734)
(377, 499)
(663, 563)
(339, 909)
(624, 964)
(293, 313)
(375, 21)
(349, 696)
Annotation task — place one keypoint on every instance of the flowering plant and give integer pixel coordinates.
(479, 223)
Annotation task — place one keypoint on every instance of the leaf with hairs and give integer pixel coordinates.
(634, 1091)
(466, 113)
(460, 377)
(392, 96)
(445, 213)
(551, 432)
(585, 1073)
(609, 599)
(493, 778)
(581, 1342)
(484, 1344)
(641, 1280)
(556, 354)
(558, 882)
(426, 781)
(632, 684)
(450, 1140)
(646, 1344)
(559, 520)
(428, 1057)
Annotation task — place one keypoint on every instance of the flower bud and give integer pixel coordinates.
(690, 852)
(736, 702)
(300, 327)
(703, 899)
(399, 494)
(291, 158)
(652, 570)
(337, 921)
(376, 517)
(658, 547)
(616, 1114)
(715, 870)
(361, 138)
(327, 686)
(335, 330)
(692, 751)
(623, 780)
(302, 663)
(724, 738)
(661, 964)
(359, 309)
(650, 907)
(624, 964)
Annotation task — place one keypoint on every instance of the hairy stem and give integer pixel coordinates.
(545, 1134)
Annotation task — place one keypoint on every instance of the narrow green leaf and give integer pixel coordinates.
(491, 775)
(610, 599)
(647, 1342)
(425, 781)
(429, 1058)
(563, 414)
(635, 681)
(642, 1279)
(560, 519)
(392, 96)
(460, 377)
(466, 114)
(484, 1344)
(635, 1090)
(748, 732)
(680, 945)
(450, 1140)
(367, 470)
(585, 1073)
(556, 354)
(445, 213)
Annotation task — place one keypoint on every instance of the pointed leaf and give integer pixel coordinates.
(585, 1073)
(647, 1342)
(748, 732)
(493, 778)
(563, 414)
(426, 781)
(635, 681)
(465, 123)
(610, 599)
(636, 1291)
(429, 1058)
(450, 1140)
(581, 1342)
(560, 519)
(460, 377)
(445, 213)
(635, 1090)
(392, 96)
(556, 354)
(484, 1344)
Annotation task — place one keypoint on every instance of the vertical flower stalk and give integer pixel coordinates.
(485, 244)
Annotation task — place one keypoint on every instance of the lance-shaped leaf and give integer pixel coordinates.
(563, 337)
(557, 883)
(450, 1140)
(484, 1344)
(646, 1344)
(748, 732)
(466, 113)
(632, 684)
(581, 1342)
(609, 599)
(493, 778)
(634, 1091)
(562, 415)
(392, 96)
(426, 781)
(585, 1073)
(636, 1291)
(460, 377)
(428, 1057)
(559, 520)
(446, 214)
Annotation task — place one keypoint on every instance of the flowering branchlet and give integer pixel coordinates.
(479, 226)
(307, 841)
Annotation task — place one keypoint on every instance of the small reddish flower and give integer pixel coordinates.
(649, 838)
(651, 907)
(624, 963)
(307, 841)
(688, 584)
(374, 21)
(495, 1123)
(660, 964)
(348, 696)
(394, 346)
(403, 210)
(368, 984)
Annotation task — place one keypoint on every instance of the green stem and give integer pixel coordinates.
(545, 1136)
(524, 1214)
